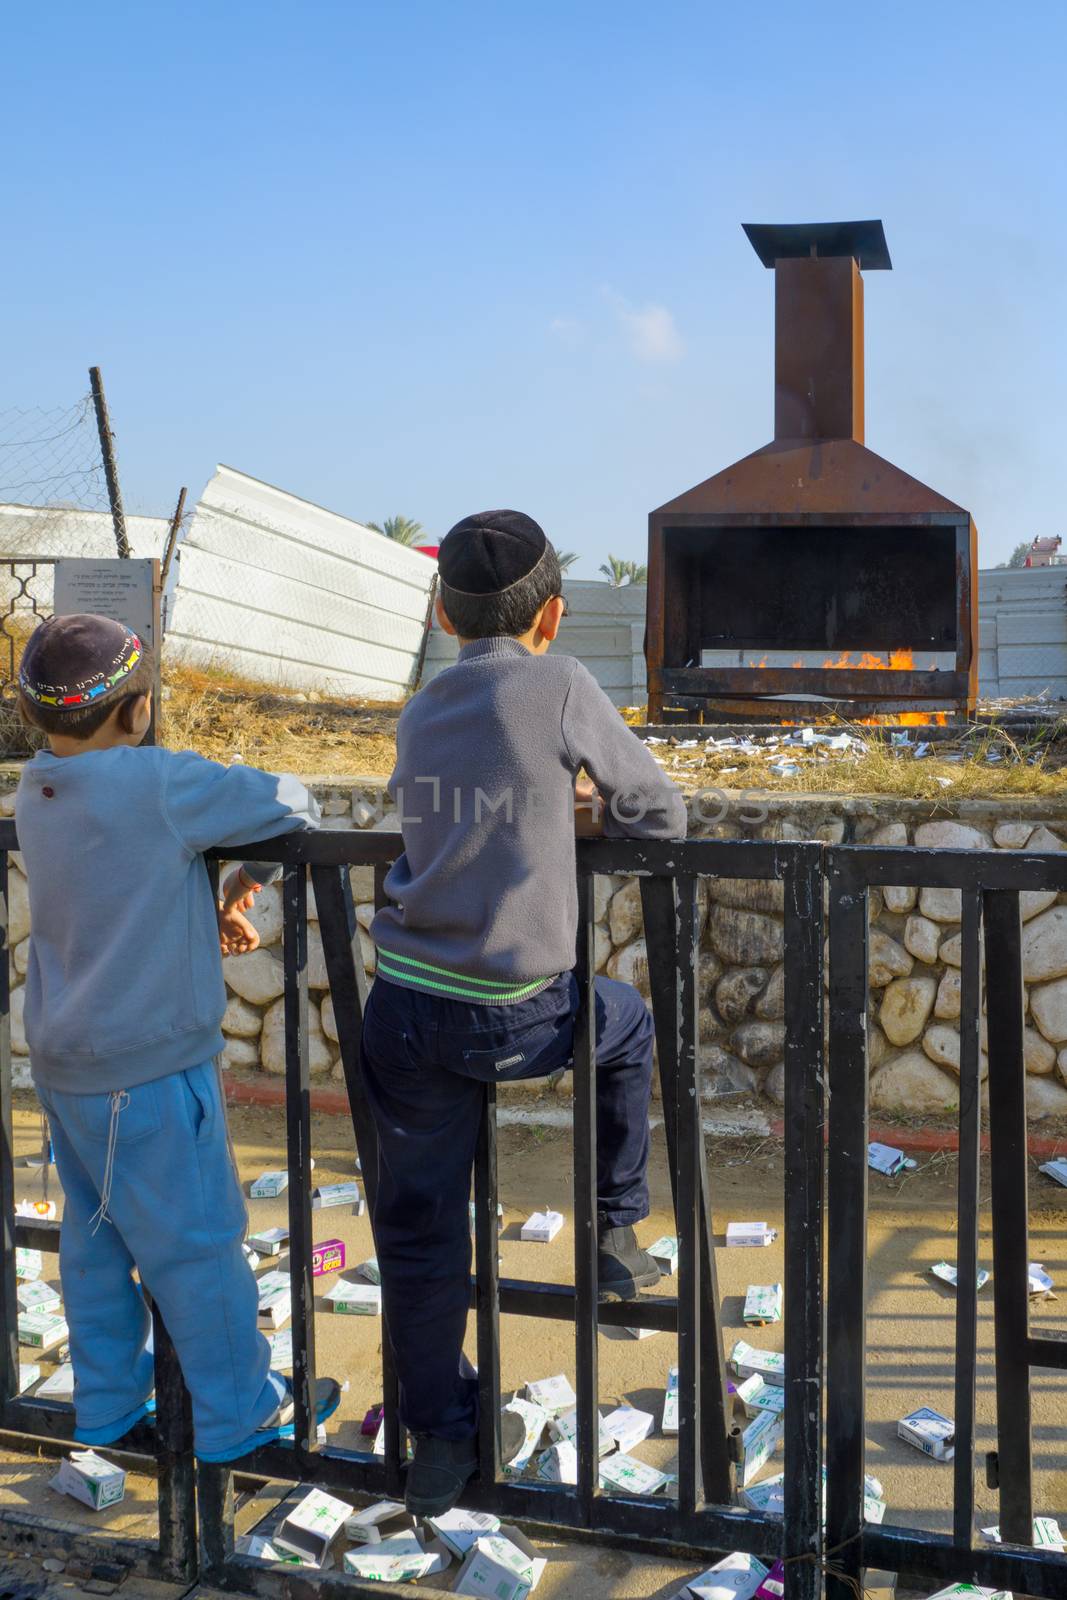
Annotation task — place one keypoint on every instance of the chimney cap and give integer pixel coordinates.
(864, 241)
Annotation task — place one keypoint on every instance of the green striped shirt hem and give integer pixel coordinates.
(440, 980)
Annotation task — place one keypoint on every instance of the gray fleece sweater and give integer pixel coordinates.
(483, 901)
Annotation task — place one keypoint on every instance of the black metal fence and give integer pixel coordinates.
(701, 1520)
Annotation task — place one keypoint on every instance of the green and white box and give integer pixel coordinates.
(929, 1432)
(768, 1364)
(970, 1591)
(669, 1422)
(460, 1530)
(1047, 1534)
(553, 1395)
(281, 1350)
(369, 1270)
(379, 1521)
(400, 1558)
(628, 1426)
(350, 1299)
(29, 1373)
(38, 1296)
(59, 1385)
(87, 1477)
(542, 1226)
(42, 1330)
(665, 1254)
(565, 1428)
(312, 1526)
(749, 1235)
(29, 1264)
(627, 1475)
(501, 1566)
(336, 1194)
(559, 1463)
(275, 1299)
(757, 1395)
(535, 1419)
(763, 1303)
(269, 1242)
(268, 1186)
(736, 1577)
(759, 1442)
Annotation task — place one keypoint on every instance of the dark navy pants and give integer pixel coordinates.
(425, 1060)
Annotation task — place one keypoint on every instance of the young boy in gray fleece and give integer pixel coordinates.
(475, 951)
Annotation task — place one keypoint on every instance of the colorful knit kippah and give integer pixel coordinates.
(73, 662)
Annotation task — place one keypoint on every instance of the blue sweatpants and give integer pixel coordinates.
(425, 1060)
(160, 1156)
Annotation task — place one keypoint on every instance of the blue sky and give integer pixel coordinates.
(428, 257)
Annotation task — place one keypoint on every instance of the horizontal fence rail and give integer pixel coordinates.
(701, 1520)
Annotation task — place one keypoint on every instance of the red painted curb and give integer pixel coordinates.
(920, 1141)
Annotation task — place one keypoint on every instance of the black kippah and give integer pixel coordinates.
(490, 552)
(77, 661)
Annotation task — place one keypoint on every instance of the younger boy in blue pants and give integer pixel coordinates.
(124, 1004)
(475, 951)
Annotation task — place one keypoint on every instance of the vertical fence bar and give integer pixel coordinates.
(1007, 1127)
(585, 1206)
(9, 1351)
(967, 1218)
(659, 910)
(395, 1434)
(690, 1136)
(176, 1466)
(846, 1320)
(214, 1496)
(298, 1136)
(487, 1289)
(805, 1118)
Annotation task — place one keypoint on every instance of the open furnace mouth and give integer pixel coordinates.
(813, 568)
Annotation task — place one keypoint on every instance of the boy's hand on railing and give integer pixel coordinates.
(237, 936)
(588, 810)
(238, 892)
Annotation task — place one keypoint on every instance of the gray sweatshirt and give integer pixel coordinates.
(484, 904)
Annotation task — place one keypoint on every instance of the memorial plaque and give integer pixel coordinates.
(126, 590)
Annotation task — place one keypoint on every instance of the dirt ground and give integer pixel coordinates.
(910, 1334)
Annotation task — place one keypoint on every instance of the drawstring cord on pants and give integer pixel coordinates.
(119, 1101)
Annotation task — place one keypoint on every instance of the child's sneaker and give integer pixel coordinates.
(280, 1424)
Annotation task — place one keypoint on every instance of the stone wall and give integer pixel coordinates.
(914, 951)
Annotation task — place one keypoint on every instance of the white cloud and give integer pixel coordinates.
(651, 329)
(568, 330)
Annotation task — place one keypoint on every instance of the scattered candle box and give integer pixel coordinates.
(767, 1364)
(400, 1558)
(669, 1422)
(338, 1194)
(29, 1373)
(772, 1586)
(260, 1548)
(559, 1463)
(281, 1350)
(1047, 1534)
(500, 1566)
(665, 1254)
(459, 1530)
(621, 1474)
(38, 1296)
(737, 1577)
(275, 1302)
(42, 1330)
(1039, 1282)
(369, 1270)
(327, 1257)
(59, 1385)
(970, 1591)
(85, 1476)
(947, 1273)
(887, 1160)
(1056, 1169)
(757, 1395)
(929, 1432)
(29, 1264)
(268, 1186)
(759, 1442)
(565, 1427)
(271, 1242)
(378, 1521)
(535, 1418)
(312, 1526)
(750, 1235)
(350, 1299)
(553, 1395)
(763, 1304)
(628, 1426)
(642, 1333)
(542, 1226)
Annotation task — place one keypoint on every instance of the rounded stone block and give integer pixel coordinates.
(770, 1006)
(899, 898)
(748, 894)
(760, 1044)
(912, 1083)
(272, 1042)
(945, 834)
(745, 938)
(1048, 1007)
(630, 965)
(256, 977)
(624, 914)
(886, 959)
(921, 939)
(947, 1003)
(240, 1020)
(735, 992)
(1044, 946)
(906, 1006)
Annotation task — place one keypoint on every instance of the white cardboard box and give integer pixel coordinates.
(501, 1566)
(312, 1526)
(275, 1299)
(59, 1385)
(628, 1426)
(929, 1432)
(757, 1395)
(87, 1477)
(29, 1264)
(269, 1242)
(1048, 1534)
(37, 1295)
(763, 1303)
(626, 1475)
(565, 1427)
(665, 1254)
(669, 1423)
(459, 1530)
(746, 1360)
(379, 1521)
(542, 1226)
(29, 1373)
(337, 1194)
(350, 1299)
(400, 1558)
(759, 1442)
(281, 1350)
(970, 1591)
(42, 1330)
(749, 1235)
(559, 1463)
(947, 1273)
(553, 1395)
(369, 1270)
(642, 1333)
(737, 1577)
(268, 1186)
(1056, 1169)
(535, 1419)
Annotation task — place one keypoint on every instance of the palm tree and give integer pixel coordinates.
(400, 529)
(566, 558)
(619, 572)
